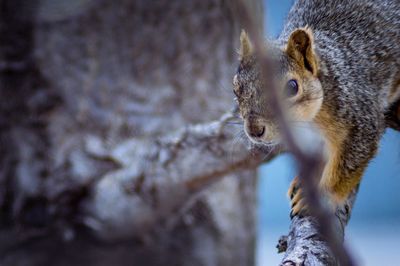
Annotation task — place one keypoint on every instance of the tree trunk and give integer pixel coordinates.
(99, 163)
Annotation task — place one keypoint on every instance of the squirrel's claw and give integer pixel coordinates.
(293, 188)
(297, 197)
(299, 208)
(298, 205)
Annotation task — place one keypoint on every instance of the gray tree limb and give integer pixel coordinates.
(155, 180)
(304, 244)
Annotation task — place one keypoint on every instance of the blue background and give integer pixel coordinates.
(373, 234)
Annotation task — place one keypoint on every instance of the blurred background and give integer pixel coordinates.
(373, 233)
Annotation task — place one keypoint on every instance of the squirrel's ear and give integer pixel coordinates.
(300, 47)
(245, 46)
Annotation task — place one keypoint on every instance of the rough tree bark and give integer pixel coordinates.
(99, 163)
(304, 244)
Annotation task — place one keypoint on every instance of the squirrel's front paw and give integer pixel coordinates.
(298, 203)
(295, 193)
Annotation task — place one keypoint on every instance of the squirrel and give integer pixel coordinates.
(338, 67)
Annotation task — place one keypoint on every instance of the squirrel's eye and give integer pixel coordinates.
(292, 88)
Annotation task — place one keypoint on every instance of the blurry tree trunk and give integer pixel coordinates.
(99, 163)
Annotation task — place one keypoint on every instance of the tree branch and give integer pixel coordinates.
(304, 244)
(157, 179)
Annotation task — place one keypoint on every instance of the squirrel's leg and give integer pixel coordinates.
(341, 176)
(349, 158)
(349, 154)
(335, 185)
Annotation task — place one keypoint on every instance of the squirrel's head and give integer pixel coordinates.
(296, 78)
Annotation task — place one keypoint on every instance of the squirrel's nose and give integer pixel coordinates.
(256, 131)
